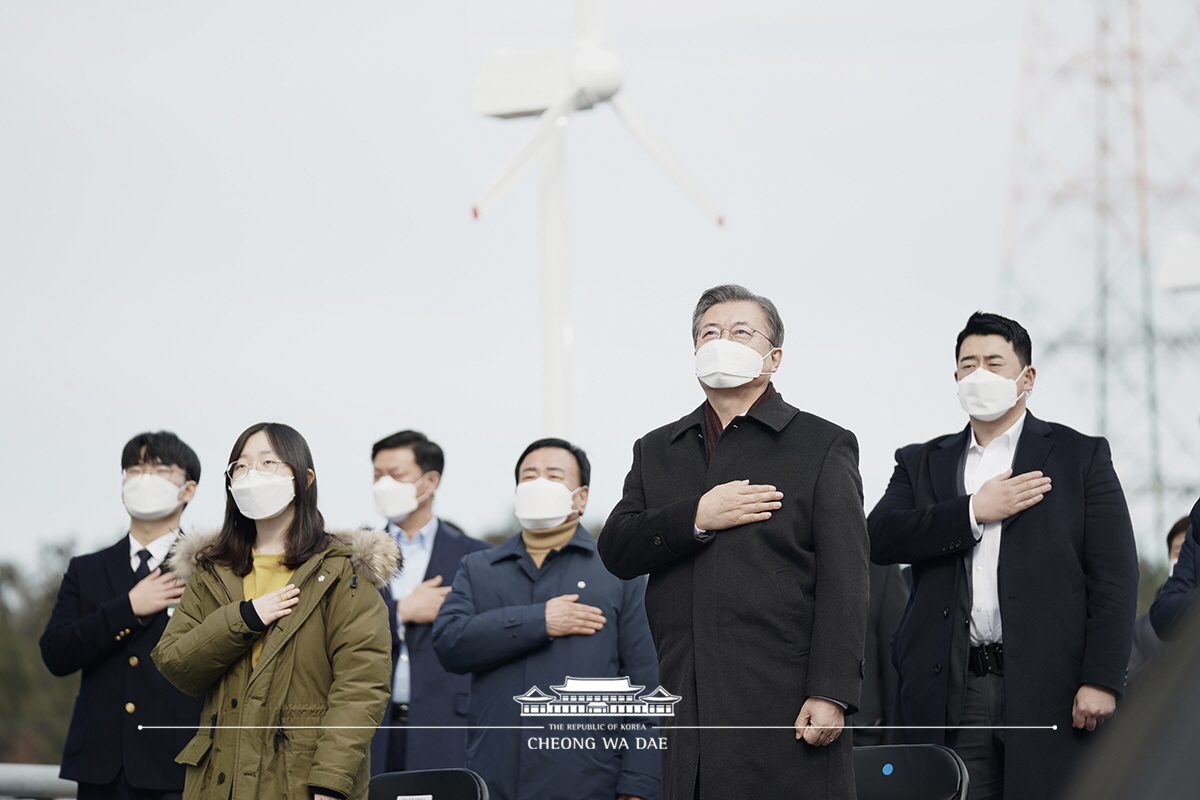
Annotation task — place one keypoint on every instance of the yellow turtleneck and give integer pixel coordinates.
(539, 543)
(266, 576)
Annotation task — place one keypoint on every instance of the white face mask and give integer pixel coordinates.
(543, 503)
(150, 496)
(395, 499)
(260, 496)
(987, 396)
(724, 364)
(1171, 562)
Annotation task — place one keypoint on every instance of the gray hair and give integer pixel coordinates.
(731, 293)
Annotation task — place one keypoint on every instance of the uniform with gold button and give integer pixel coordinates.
(93, 630)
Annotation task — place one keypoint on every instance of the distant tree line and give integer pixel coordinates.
(35, 706)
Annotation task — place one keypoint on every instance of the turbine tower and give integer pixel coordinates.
(552, 85)
(1105, 171)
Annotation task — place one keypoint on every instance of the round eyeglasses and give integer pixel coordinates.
(161, 470)
(240, 469)
(742, 334)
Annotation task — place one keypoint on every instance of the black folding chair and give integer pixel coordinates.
(438, 784)
(909, 772)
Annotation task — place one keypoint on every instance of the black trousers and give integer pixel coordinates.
(397, 737)
(980, 746)
(119, 789)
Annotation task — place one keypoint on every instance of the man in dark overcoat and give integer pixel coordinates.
(1024, 578)
(747, 516)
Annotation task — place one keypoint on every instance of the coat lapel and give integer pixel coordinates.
(687, 461)
(441, 560)
(944, 463)
(118, 567)
(1032, 449)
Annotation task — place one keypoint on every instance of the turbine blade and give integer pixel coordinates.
(588, 27)
(665, 157)
(547, 122)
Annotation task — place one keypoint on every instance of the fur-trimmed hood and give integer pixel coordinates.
(374, 554)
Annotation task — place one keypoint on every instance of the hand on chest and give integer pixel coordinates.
(558, 576)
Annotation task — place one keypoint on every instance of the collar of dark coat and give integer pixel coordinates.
(772, 412)
(1033, 427)
(374, 555)
(944, 462)
(515, 547)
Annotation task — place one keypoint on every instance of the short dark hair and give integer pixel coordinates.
(984, 324)
(163, 448)
(305, 537)
(427, 454)
(731, 293)
(585, 466)
(1181, 526)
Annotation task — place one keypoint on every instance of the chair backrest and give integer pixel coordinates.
(909, 772)
(429, 784)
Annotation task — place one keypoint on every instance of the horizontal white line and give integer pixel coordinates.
(867, 727)
(953, 727)
(204, 728)
(658, 727)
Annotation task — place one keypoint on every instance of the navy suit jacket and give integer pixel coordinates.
(437, 697)
(93, 628)
(1179, 593)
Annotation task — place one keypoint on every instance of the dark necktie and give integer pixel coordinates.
(144, 568)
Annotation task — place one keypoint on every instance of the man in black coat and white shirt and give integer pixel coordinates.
(1024, 578)
(747, 515)
(110, 612)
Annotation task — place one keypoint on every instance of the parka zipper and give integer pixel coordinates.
(314, 571)
(281, 736)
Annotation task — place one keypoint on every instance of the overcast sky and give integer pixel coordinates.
(217, 213)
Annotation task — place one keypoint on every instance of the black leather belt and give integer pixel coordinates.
(986, 658)
(400, 713)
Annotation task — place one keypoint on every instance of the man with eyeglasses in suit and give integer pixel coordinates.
(111, 610)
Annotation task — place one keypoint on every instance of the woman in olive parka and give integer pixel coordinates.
(283, 628)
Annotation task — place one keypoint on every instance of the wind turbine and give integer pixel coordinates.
(552, 85)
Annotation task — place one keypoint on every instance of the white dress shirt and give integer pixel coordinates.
(158, 550)
(414, 553)
(983, 562)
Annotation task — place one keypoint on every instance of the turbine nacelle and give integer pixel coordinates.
(551, 84)
(596, 73)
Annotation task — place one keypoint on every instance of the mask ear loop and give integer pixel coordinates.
(575, 493)
(1028, 391)
(764, 358)
(421, 498)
